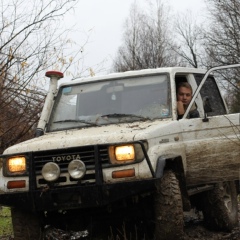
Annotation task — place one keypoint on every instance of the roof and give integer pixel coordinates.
(170, 70)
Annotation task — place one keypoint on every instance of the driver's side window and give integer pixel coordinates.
(211, 96)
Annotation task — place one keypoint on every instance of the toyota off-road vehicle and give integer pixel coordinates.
(109, 142)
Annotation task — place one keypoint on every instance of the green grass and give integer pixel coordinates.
(5, 222)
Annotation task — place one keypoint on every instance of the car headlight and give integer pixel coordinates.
(50, 171)
(16, 164)
(127, 153)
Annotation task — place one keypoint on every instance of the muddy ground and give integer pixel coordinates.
(194, 230)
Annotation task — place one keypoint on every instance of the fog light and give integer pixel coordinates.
(76, 169)
(50, 172)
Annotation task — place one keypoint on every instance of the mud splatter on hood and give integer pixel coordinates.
(88, 136)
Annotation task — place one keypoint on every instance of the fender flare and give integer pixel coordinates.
(165, 162)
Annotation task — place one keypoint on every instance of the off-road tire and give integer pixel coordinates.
(220, 208)
(26, 226)
(168, 206)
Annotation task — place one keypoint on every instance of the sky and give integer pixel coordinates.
(100, 24)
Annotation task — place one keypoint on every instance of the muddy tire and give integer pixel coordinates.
(220, 207)
(26, 226)
(168, 208)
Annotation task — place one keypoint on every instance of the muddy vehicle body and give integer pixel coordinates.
(106, 140)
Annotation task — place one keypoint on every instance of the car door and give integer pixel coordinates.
(212, 142)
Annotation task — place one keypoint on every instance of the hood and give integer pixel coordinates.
(90, 136)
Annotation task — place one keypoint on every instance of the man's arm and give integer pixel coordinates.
(180, 109)
(192, 114)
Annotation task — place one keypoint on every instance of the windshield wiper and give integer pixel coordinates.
(116, 115)
(76, 120)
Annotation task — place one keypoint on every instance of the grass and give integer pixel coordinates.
(5, 222)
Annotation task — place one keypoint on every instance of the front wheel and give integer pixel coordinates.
(168, 206)
(26, 226)
(220, 208)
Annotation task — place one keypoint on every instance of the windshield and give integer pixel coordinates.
(115, 101)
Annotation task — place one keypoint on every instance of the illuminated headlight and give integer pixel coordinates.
(50, 172)
(16, 164)
(126, 153)
(76, 169)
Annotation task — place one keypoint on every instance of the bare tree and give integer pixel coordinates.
(223, 37)
(146, 43)
(127, 59)
(31, 42)
(223, 44)
(189, 43)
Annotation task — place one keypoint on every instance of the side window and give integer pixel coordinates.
(211, 92)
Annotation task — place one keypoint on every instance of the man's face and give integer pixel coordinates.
(184, 95)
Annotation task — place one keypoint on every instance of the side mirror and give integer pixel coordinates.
(206, 105)
(207, 108)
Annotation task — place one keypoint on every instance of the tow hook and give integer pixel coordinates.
(44, 189)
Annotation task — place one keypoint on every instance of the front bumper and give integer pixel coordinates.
(77, 197)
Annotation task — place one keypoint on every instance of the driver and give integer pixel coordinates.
(184, 97)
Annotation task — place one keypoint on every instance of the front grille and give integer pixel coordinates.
(88, 154)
